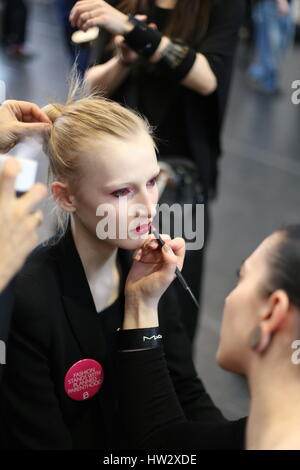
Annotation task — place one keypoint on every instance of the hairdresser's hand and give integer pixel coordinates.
(18, 224)
(88, 13)
(126, 55)
(152, 272)
(20, 119)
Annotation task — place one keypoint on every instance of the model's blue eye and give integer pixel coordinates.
(121, 192)
(126, 191)
(152, 181)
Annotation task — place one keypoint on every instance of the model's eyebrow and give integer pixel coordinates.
(116, 184)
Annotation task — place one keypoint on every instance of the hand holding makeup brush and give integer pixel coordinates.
(151, 274)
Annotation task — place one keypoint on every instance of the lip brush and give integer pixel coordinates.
(177, 271)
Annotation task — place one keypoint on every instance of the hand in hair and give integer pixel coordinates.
(20, 119)
(18, 234)
(88, 13)
(151, 274)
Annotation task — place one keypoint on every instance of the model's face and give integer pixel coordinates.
(243, 310)
(117, 190)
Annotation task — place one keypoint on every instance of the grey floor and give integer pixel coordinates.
(259, 184)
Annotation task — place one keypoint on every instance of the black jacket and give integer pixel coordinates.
(54, 325)
(6, 306)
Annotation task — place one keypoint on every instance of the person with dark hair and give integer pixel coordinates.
(172, 62)
(259, 339)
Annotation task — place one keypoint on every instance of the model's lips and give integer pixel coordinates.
(143, 228)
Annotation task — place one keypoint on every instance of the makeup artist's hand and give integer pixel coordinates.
(88, 13)
(20, 119)
(152, 272)
(18, 221)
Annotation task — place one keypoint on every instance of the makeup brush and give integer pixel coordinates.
(177, 271)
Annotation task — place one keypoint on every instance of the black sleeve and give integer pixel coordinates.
(6, 306)
(151, 413)
(30, 413)
(220, 41)
(194, 399)
(99, 53)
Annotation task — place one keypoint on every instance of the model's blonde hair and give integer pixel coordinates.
(82, 118)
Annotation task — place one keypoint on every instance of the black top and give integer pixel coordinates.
(187, 124)
(152, 415)
(6, 306)
(110, 319)
(54, 325)
(164, 113)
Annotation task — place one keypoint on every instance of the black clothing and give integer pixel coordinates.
(14, 22)
(6, 306)
(152, 415)
(54, 325)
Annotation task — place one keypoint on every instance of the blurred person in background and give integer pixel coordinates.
(78, 53)
(177, 73)
(15, 15)
(274, 31)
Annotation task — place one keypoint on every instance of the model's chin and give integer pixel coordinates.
(230, 362)
(130, 243)
(222, 358)
(219, 358)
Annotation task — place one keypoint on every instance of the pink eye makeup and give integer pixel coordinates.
(152, 182)
(123, 192)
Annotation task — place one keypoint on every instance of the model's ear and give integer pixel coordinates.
(276, 312)
(63, 197)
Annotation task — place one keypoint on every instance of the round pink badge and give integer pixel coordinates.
(84, 379)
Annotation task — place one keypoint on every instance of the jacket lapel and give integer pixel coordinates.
(78, 301)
